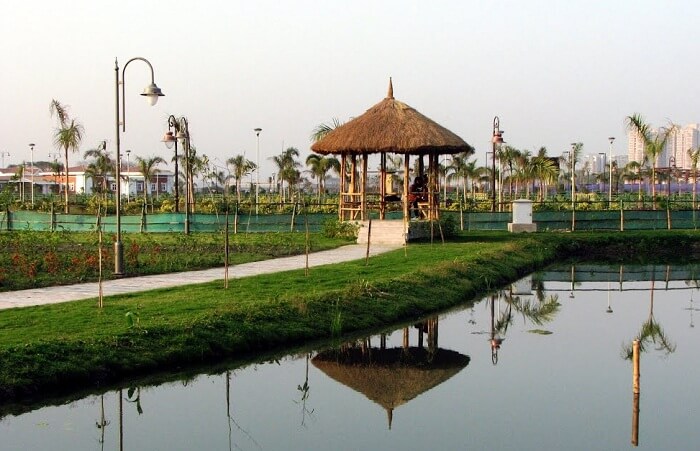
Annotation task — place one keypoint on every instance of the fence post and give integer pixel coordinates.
(622, 217)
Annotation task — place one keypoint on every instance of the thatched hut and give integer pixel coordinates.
(389, 127)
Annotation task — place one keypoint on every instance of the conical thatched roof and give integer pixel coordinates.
(391, 126)
(391, 377)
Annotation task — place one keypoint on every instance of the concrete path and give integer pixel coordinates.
(66, 293)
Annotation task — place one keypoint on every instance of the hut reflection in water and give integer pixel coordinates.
(392, 376)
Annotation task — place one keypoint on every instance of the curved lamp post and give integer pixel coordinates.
(496, 141)
(151, 92)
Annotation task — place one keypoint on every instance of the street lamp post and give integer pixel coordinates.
(183, 135)
(496, 141)
(257, 169)
(170, 140)
(573, 176)
(151, 92)
(31, 149)
(611, 139)
(3, 155)
(128, 180)
(603, 171)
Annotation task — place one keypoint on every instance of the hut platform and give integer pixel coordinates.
(390, 231)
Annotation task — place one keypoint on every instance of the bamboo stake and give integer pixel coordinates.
(307, 240)
(369, 238)
(226, 251)
(100, 295)
(635, 392)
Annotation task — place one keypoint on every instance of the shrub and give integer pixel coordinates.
(332, 228)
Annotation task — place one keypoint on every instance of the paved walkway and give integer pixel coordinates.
(66, 293)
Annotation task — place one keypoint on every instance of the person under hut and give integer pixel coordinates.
(417, 193)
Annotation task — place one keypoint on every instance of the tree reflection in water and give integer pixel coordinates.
(651, 332)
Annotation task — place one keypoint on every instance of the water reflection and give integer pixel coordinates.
(534, 392)
(392, 376)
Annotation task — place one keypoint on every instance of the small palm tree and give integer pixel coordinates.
(319, 167)
(287, 167)
(654, 143)
(694, 155)
(240, 167)
(67, 136)
(148, 168)
(101, 167)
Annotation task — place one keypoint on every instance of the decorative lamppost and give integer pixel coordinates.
(31, 149)
(611, 139)
(603, 170)
(182, 129)
(170, 140)
(496, 141)
(151, 92)
(3, 155)
(257, 169)
(573, 176)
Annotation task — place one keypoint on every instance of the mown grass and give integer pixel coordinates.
(61, 347)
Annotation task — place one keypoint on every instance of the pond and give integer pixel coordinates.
(542, 364)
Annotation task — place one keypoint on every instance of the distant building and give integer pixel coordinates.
(676, 150)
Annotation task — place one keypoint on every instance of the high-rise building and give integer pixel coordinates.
(676, 150)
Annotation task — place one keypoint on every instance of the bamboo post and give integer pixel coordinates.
(235, 220)
(635, 367)
(405, 337)
(307, 240)
(226, 251)
(635, 392)
(363, 189)
(369, 239)
(461, 216)
(294, 209)
(668, 214)
(622, 217)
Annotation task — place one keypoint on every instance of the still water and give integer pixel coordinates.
(540, 365)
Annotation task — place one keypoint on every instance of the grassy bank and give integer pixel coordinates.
(76, 345)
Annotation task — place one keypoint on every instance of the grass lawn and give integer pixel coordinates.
(62, 347)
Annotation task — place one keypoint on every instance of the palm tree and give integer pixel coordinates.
(287, 168)
(67, 136)
(654, 143)
(544, 170)
(148, 168)
(240, 167)
(322, 130)
(319, 167)
(694, 155)
(99, 169)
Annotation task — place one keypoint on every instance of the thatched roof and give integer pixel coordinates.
(394, 127)
(391, 377)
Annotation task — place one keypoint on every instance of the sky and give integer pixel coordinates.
(554, 72)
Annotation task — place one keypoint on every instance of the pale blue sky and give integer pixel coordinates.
(553, 71)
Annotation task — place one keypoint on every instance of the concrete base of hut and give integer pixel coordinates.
(393, 231)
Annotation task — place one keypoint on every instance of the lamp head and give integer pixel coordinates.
(181, 136)
(152, 92)
(169, 139)
(257, 131)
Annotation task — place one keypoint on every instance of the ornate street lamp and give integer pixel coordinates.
(151, 92)
(170, 141)
(496, 141)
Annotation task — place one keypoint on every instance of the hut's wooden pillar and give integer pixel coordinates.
(406, 186)
(382, 186)
(363, 188)
(342, 186)
(352, 196)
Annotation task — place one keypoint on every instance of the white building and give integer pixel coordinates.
(680, 140)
